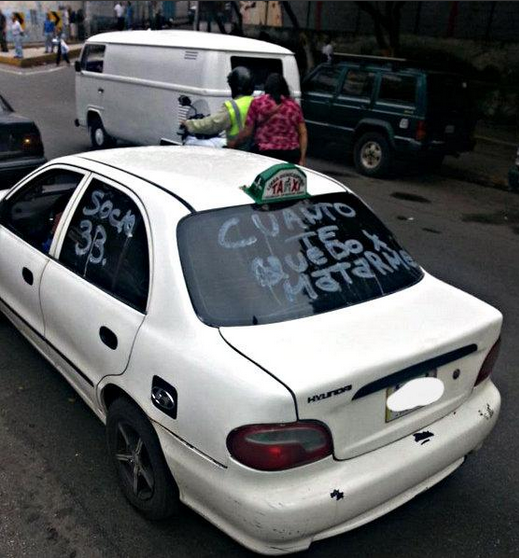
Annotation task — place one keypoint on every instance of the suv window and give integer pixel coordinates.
(106, 243)
(324, 81)
(33, 212)
(398, 89)
(358, 83)
(93, 58)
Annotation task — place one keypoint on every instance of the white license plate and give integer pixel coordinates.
(392, 415)
(449, 129)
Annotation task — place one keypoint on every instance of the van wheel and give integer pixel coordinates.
(142, 471)
(98, 136)
(372, 155)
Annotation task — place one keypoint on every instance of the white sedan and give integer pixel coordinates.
(257, 342)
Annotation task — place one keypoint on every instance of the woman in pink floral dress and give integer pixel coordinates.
(277, 123)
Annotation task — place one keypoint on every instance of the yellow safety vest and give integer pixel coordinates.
(238, 109)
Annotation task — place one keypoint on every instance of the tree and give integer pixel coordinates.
(386, 20)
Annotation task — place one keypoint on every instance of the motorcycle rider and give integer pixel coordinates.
(233, 113)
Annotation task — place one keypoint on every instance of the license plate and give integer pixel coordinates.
(392, 415)
(449, 129)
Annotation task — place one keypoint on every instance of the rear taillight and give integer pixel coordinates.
(31, 142)
(421, 131)
(274, 447)
(488, 364)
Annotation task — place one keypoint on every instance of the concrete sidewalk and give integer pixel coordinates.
(35, 55)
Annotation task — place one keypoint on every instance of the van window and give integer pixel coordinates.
(398, 89)
(261, 68)
(92, 59)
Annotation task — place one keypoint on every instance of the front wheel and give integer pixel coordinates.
(98, 136)
(372, 155)
(142, 471)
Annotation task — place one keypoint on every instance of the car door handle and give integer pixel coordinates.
(27, 276)
(100, 90)
(108, 337)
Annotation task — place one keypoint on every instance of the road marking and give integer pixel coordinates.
(32, 73)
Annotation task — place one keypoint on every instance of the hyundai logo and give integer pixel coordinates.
(162, 398)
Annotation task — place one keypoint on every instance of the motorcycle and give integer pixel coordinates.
(196, 111)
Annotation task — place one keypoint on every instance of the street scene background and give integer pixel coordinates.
(58, 495)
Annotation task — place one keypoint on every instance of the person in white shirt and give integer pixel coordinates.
(17, 32)
(119, 15)
(327, 50)
(62, 50)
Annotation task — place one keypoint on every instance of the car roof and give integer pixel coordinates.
(196, 40)
(204, 177)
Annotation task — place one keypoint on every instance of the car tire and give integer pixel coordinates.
(373, 155)
(141, 468)
(98, 136)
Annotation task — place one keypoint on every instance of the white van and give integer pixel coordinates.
(128, 83)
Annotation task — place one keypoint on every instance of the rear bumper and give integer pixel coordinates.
(13, 170)
(277, 513)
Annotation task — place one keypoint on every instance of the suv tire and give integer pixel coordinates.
(372, 155)
(142, 471)
(98, 136)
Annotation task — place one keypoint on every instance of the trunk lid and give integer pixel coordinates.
(339, 364)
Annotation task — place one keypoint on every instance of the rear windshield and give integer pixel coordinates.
(253, 264)
(448, 92)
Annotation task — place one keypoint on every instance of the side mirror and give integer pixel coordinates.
(184, 101)
(77, 66)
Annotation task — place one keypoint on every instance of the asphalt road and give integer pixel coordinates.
(58, 496)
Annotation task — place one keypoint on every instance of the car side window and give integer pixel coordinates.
(33, 212)
(358, 83)
(106, 243)
(324, 81)
(93, 58)
(398, 89)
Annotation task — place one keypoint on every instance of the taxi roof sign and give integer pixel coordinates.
(280, 182)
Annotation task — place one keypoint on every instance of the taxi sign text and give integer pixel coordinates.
(280, 182)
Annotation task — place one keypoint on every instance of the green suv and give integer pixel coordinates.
(382, 109)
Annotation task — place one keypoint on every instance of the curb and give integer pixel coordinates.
(36, 60)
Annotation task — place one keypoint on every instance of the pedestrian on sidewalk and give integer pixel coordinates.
(17, 32)
(129, 15)
(48, 32)
(62, 50)
(119, 16)
(3, 32)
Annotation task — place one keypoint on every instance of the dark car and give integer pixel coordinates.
(382, 109)
(21, 148)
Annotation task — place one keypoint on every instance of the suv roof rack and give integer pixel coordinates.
(366, 59)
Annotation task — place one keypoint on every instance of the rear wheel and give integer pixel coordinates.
(98, 136)
(142, 471)
(372, 155)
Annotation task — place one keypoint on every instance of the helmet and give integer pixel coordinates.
(240, 81)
